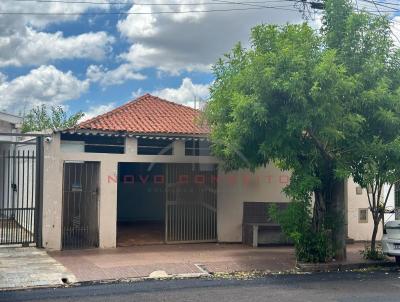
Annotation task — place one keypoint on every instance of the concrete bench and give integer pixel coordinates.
(258, 227)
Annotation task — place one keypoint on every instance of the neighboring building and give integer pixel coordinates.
(9, 124)
(142, 173)
(17, 180)
(360, 222)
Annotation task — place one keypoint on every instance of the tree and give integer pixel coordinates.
(364, 45)
(377, 165)
(284, 101)
(305, 102)
(43, 118)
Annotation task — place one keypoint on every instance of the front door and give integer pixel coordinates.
(80, 227)
(191, 203)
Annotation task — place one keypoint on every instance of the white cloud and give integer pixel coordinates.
(116, 76)
(10, 24)
(97, 110)
(30, 47)
(187, 94)
(137, 93)
(173, 43)
(23, 41)
(396, 30)
(141, 56)
(44, 85)
(138, 25)
(3, 78)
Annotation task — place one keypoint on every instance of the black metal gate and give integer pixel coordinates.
(21, 160)
(80, 205)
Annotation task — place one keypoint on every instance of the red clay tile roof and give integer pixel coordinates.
(149, 114)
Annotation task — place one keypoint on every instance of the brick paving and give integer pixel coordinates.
(141, 261)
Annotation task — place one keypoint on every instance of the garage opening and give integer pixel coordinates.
(141, 204)
(166, 203)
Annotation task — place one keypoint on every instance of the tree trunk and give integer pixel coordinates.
(336, 211)
(319, 211)
(374, 233)
(377, 217)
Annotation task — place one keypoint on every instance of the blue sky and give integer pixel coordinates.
(95, 62)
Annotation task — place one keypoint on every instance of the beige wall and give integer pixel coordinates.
(264, 185)
(53, 177)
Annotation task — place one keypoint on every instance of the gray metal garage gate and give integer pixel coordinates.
(80, 222)
(21, 166)
(191, 203)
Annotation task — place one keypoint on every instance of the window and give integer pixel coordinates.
(97, 143)
(358, 190)
(147, 146)
(197, 148)
(397, 196)
(362, 215)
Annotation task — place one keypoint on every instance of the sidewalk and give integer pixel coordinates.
(183, 260)
(30, 267)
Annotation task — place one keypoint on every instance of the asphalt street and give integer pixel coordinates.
(343, 287)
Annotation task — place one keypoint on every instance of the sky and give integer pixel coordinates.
(89, 57)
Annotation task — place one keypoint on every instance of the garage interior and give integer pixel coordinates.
(141, 204)
(166, 203)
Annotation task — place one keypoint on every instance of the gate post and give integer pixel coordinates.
(39, 191)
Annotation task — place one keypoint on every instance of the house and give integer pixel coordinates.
(17, 182)
(143, 174)
(9, 123)
(359, 218)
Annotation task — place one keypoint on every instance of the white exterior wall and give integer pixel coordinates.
(363, 231)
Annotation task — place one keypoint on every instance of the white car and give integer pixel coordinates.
(391, 239)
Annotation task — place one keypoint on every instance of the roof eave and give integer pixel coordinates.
(132, 134)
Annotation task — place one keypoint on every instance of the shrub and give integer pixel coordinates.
(370, 254)
(296, 223)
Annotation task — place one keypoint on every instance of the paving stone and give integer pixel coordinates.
(158, 274)
(30, 267)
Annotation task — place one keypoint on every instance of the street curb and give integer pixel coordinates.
(111, 281)
(328, 267)
(300, 268)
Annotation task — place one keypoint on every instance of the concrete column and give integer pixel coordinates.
(131, 146)
(52, 194)
(108, 204)
(179, 148)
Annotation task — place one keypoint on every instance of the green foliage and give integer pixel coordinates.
(43, 118)
(367, 50)
(373, 254)
(282, 101)
(323, 105)
(296, 223)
